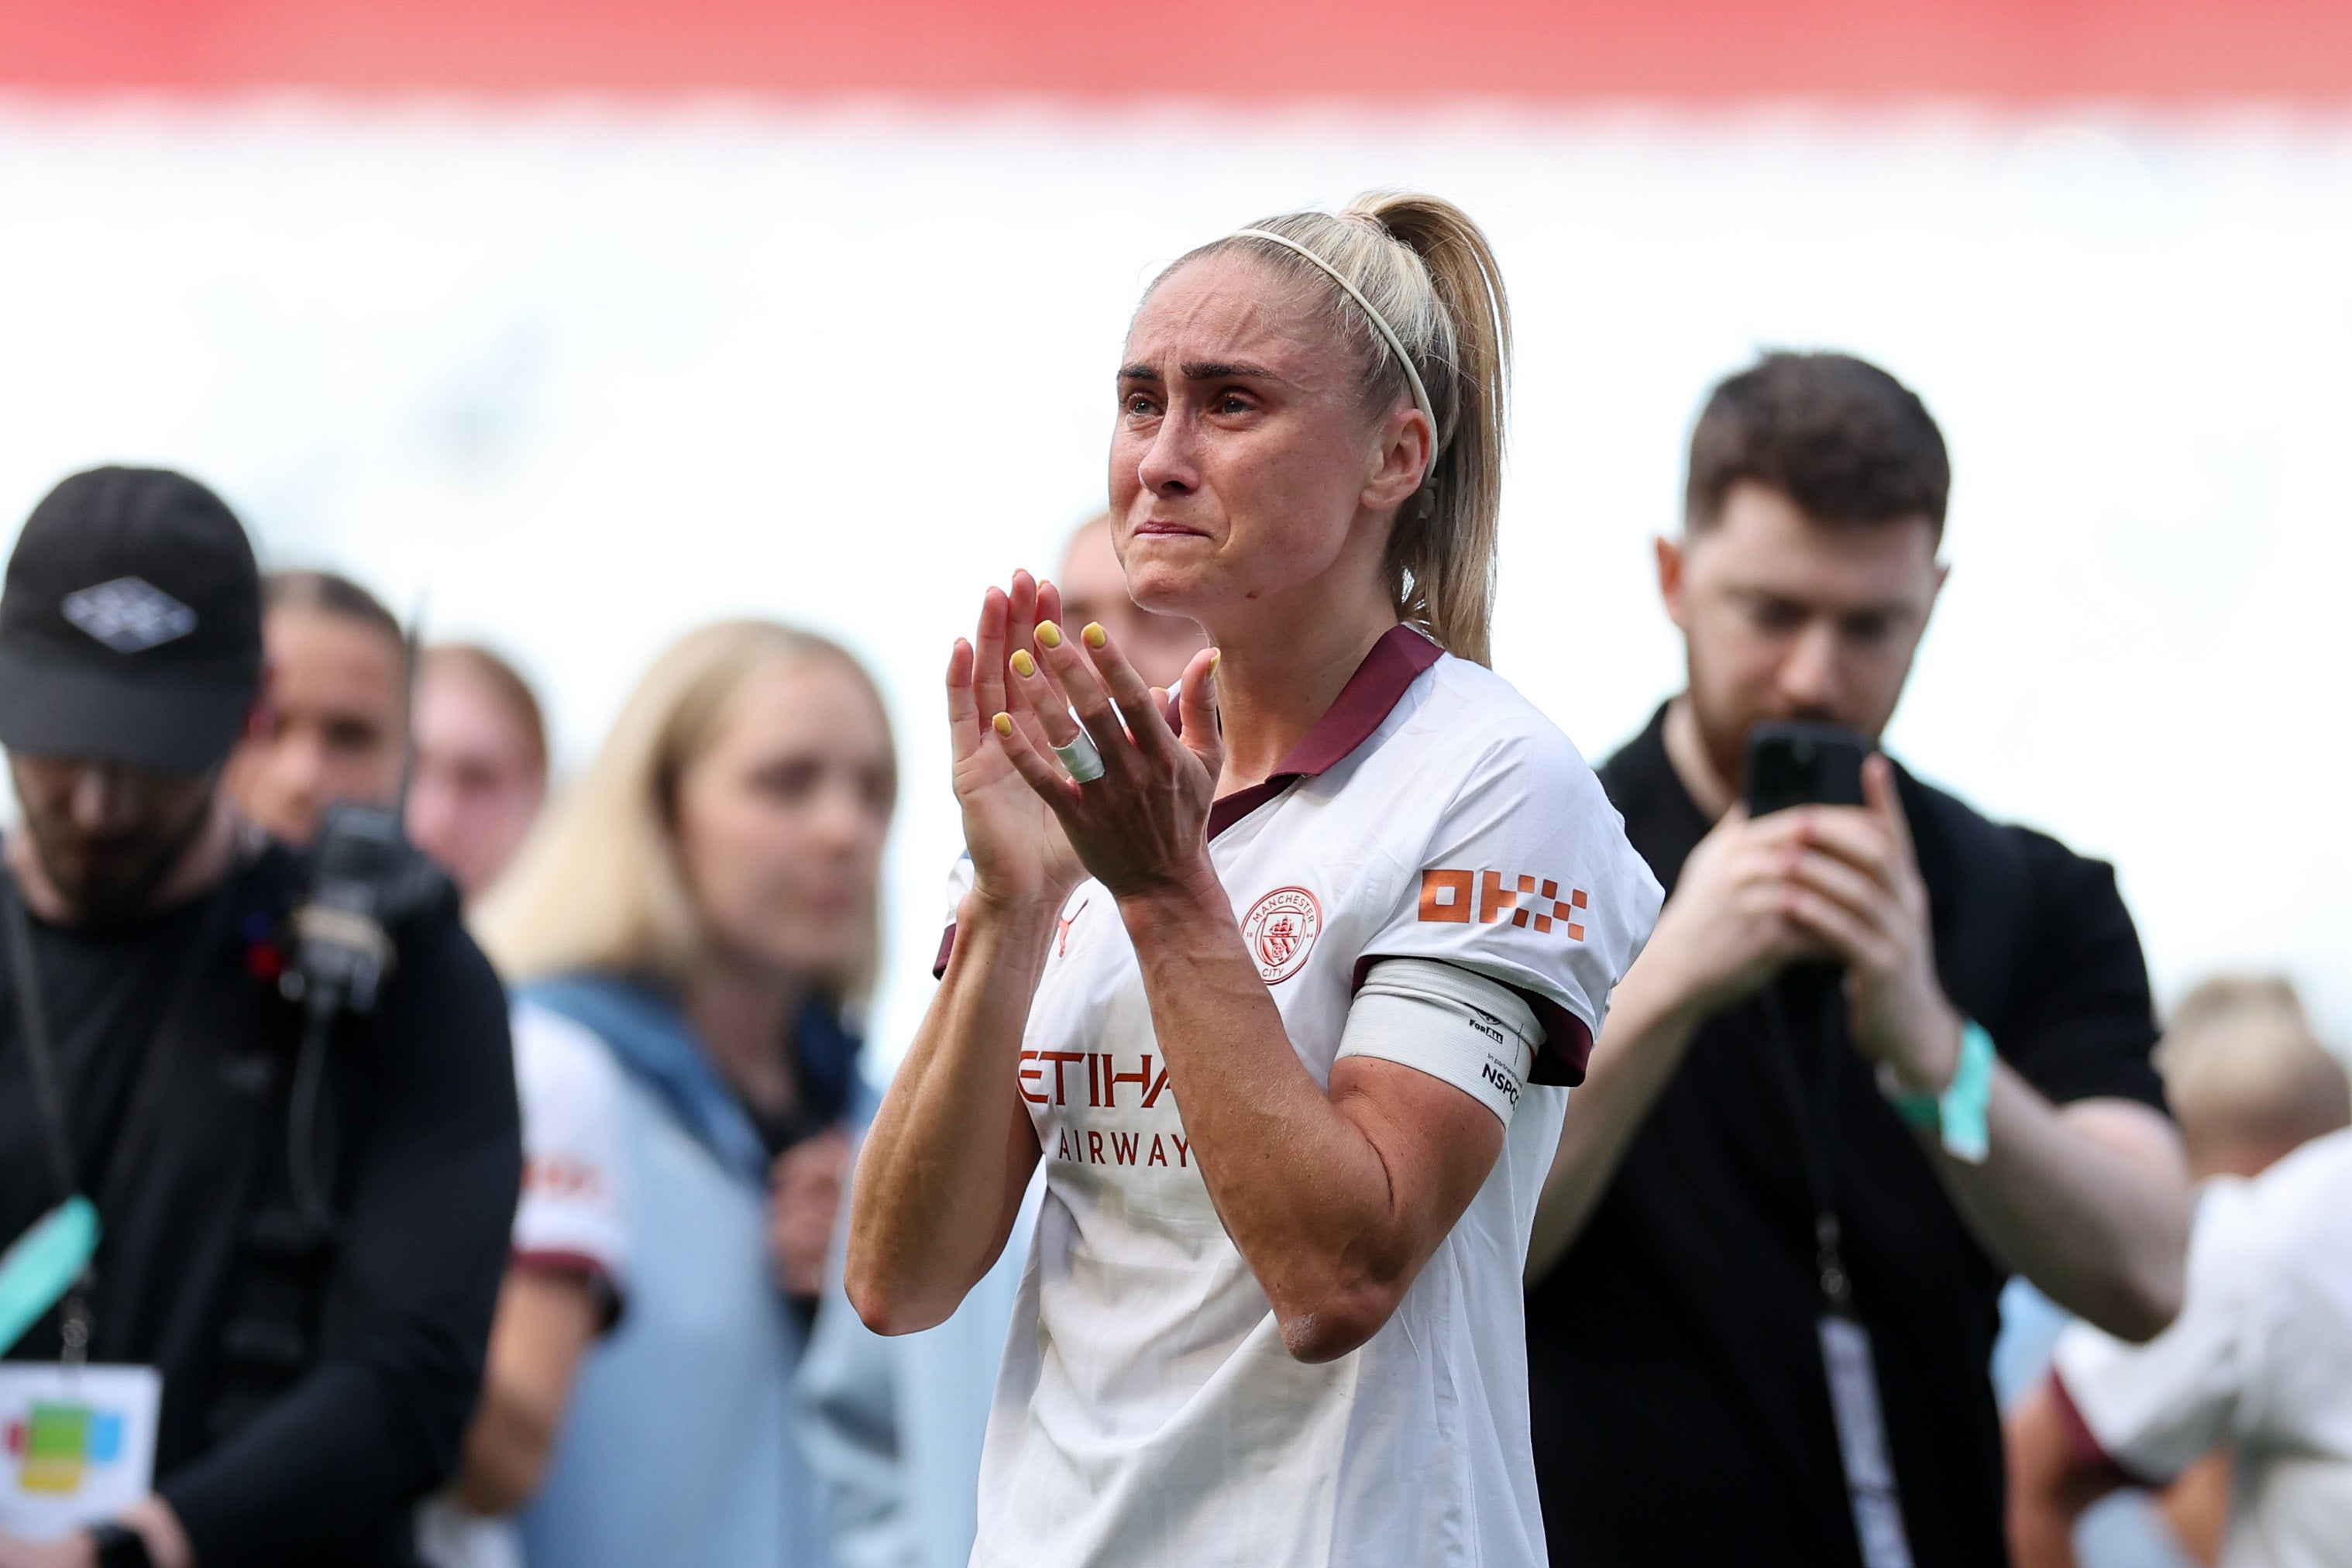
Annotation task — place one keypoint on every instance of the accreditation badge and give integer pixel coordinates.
(77, 1443)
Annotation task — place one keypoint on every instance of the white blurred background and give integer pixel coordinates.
(578, 375)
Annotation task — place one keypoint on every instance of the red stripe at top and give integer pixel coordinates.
(1374, 51)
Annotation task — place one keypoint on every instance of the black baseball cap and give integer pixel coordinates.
(130, 624)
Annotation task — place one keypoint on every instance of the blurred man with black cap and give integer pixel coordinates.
(300, 1254)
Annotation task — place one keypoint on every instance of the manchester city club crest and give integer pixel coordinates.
(1281, 929)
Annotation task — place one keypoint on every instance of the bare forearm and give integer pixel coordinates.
(2049, 1484)
(936, 1184)
(2041, 1534)
(1306, 1195)
(545, 1323)
(2090, 1203)
(506, 1453)
(1641, 1049)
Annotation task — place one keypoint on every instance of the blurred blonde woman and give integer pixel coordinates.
(692, 927)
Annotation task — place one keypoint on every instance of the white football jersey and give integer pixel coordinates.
(1148, 1412)
(2259, 1362)
(570, 1217)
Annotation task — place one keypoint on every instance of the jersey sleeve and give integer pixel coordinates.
(1528, 880)
(2153, 1408)
(573, 1217)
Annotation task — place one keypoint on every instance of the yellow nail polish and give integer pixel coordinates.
(1094, 634)
(1023, 665)
(1216, 657)
(1004, 724)
(1049, 634)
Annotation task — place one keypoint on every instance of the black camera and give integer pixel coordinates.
(366, 881)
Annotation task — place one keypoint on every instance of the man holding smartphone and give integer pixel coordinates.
(1873, 1058)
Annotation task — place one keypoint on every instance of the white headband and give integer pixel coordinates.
(1380, 324)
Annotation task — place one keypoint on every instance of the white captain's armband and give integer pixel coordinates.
(1476, 1034)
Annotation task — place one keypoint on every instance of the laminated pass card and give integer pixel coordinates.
(77, 1443)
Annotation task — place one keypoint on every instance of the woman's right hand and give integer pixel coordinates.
(1020, 858)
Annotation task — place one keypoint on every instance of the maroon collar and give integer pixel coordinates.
(1363, 704)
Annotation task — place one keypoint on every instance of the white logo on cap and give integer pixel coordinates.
(129, 615)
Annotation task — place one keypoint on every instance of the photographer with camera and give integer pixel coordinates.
(259, 1151)
(1878, 1053)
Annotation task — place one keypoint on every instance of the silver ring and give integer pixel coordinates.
(1081, 758)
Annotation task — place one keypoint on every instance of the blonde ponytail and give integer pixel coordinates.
(1428, 271)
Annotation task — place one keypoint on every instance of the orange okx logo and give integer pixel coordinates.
(1489, 897)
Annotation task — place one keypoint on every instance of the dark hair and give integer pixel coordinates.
(330, 593)
(1839, 437)
(502, 680)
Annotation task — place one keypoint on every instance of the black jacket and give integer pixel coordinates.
(311, 1393)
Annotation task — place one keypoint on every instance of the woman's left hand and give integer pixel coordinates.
(804, 1188)
(1142, 827)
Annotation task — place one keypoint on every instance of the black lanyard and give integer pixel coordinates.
(1856, 1410)
(148, 1073)
(1815, 1129)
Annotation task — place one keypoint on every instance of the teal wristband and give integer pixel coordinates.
(1958, 1115)
(1964, 1101)
(1921, 1113)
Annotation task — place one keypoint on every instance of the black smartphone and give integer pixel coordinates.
(1803, 764)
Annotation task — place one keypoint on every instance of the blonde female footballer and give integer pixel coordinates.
(1282, 986)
